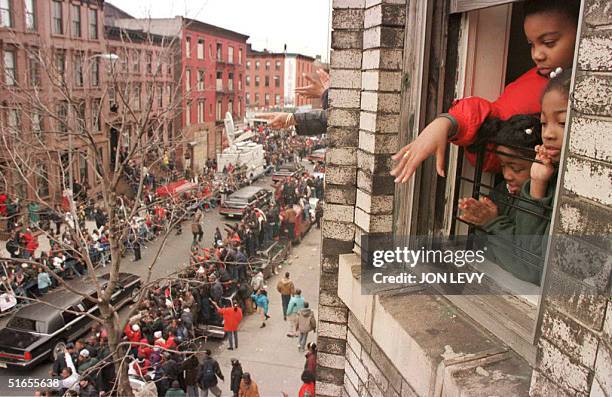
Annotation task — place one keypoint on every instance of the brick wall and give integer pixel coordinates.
(575, 344)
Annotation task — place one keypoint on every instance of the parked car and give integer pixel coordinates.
(287, 170)
(40, 331)
(236, 202)
(317, 156)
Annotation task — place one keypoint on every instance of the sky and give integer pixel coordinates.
(302, 25)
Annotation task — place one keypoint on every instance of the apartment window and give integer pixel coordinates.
(96, 110)
(256, 65)
(136, 66)
(78, 70)
(248, 64)
(201, 49)
(187, 80)
(239, 107)
(80, 119)
(188, 113)
(219, 111)
(149, 62)
(277, 100)
(95, 72)
(248, 81)
(112, 99)
(37, 126)
(200, 112)
(230, 81)
(160, 96)
(30, 14)
(42, 180)
(230, 54)
(230, 106)
(219, 82)
(256, 99)
(277, 65)
(93, 24)
(248, 98)
(83, 168)
(58, 18)
(267, 65)
(13, 121)
(256, 81)
(62, 116)
(239, 82)
(10, 72)
(219, 52)
(75, 12)
(200, 80)
(188, 47)
(267, 99)
(137, 96)
(240, 56)
(6, 17)
(267, 81)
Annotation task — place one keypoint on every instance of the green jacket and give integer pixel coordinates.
(175, 393)
(516, 240)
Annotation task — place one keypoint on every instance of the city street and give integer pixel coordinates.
(265, 353)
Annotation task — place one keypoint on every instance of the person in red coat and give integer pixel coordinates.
(550, 28)
(231, 320)
(133, 334)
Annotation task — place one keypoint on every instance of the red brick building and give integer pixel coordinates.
(212, 65)
(271, 79)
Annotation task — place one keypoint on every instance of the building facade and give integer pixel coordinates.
(272, 77)
(395, 66)
(212, 73)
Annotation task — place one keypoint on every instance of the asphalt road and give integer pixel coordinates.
(278, 371)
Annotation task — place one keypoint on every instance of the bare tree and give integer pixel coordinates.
(52, 128)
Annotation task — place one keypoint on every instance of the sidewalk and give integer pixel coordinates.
(272, 358)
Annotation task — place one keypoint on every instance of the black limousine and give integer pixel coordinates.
(40, 331)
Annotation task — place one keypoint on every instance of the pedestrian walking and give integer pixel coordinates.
(196, 227)
(236, 377)
(286, 288)
(208, 375)
(231, 320)
(248, 388)
(296, 303)
(262, 301)
(306, 323)
(136, 248)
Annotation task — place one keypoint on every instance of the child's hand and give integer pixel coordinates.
(432, 140)
(478, 212)
(542, 171)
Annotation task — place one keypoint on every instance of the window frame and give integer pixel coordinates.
(188, 47)
(31, 20)
(200, 49)
(76, 21)
(13, 69)
(57, 21)
(93, 25)
(8, 10)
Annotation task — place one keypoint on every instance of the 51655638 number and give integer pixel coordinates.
(23, 383)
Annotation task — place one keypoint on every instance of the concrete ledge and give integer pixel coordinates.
(437, 350)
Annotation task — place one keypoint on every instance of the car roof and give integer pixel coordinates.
(246, 192)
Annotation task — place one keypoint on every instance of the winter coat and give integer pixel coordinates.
(306, 320)
(231, 318)
(296, 303)
(285, 286)
(520, 97)
(311, 362)
(216, 291)
(175, 393)
(261, 301)
(190, 366)
(248, 391)
(89, 391)
(187, 319)
(208, 372)
(307, 390)
(236, 378)
(133, 336)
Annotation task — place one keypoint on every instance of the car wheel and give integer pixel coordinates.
(58, 349)
(134, 295)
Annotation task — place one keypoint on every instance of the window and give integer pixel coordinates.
(80, 119)
(83, 168)
(256, 81)
(248, 81)
(187, 80)
(13, 121)
(267, 81)
(267, 100)
(95, 72)
(219, 82)
(99, 161)
(230, 106)
(256, 65)
(219, 111)
(188, 47)
(160, 96)
(240, 56)
(96, 112)
(149, 62)
(10, 72)
(267, 65)
(277, 65)
(200, 112)
(62, 115)
(30, 14)
(112, 99)
(200, 80)
(93, 24)
(230, 81)
(239, 82)
(230, 54)
(219, 52)
(256, 99)
(201, 49)
(188, 113)
(58, 18)
(60, 64)
(78, 70)
(136, 66)
(6, 17)
(34, 69)
(248, 64)
(248, 98)
(75, 13)
(137, 96)
(42, 179)
(277, 81)
(239, 107)
(277, 100)
(37, 126)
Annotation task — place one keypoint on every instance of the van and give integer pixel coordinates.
(236, 202)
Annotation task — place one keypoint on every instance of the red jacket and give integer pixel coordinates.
(520, 97)
(144, 350)
(307, 390)
(231, 318)
(133, 336)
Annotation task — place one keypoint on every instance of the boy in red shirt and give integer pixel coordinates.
(231, 319)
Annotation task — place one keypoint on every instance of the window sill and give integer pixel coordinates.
(435, 347)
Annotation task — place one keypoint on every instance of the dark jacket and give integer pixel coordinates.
(208, 373)
(190, 366)
(89, 391)
(236, 378)
(313, 122)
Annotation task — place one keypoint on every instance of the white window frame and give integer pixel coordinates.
(188, 47)
(9, 66)
(200, 49)
(6, 13)
(30, 15)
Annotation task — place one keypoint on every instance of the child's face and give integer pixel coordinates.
(554, 110)
(515, 170)
(552, 37)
